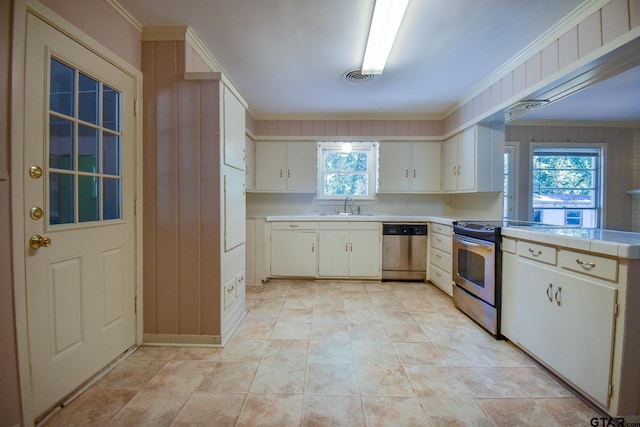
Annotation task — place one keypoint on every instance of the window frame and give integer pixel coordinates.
(600, 187)
(371, 147)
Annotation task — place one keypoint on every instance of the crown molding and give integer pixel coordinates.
(125, 14)
(580, 123)
(348, 116)
(578, 15)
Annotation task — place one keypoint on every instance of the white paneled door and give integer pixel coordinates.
(79, 212)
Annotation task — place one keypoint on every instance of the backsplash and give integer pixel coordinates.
(481, 205)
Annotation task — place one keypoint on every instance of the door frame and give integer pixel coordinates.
(21, 9)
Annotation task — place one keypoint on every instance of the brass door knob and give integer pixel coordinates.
(37, 241)
(35, 172)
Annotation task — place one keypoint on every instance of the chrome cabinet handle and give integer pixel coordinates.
(414, 173)
(557, 295)
(406, 173)
(313, 247)
(458, 170)
(534, 252)
(280, 173)
(586, 265)
(549, 290)
(288, 173)
(454, 170)
(293, 226)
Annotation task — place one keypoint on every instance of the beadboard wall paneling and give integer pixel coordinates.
(619, 167)
(182, 193)
(345, 128)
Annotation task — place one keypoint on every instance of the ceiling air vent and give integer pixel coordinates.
(527, 105)
(356, 76)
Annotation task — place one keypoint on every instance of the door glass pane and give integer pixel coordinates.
(61, 198)
(60, 143)
(111, 153)
(88, 198)
(61, 88)
(111, 206)
(110, 108)
(87, 149)
(88, 99)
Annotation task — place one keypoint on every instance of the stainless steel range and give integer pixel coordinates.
(477, 266)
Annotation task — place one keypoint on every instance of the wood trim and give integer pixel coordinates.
(182, 340)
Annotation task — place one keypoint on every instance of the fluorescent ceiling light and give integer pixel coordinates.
(387, 16)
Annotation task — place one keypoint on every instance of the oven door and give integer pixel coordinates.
(474, 267)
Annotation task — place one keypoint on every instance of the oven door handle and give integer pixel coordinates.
(473, 242)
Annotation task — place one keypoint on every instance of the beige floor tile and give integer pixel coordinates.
(516, 412)
(297, 315)
(488, 382)
(384, 380)
(243, 350)
(255, 331)
(330, 351)
(199, 353)
(271, 410)
(229, 377)
(287, 350)
(406, 333)
(152, 408)
(392, 318)
(180, 375)
(387, 301)
(279, 377)
(504, 354)
(394, 411)
(374, 352)
(456, 412)
(335, 411)
(298, 302)
(324, 315)
(94, 407)
(148, 352)
(419, 353)
(210, 410)
(464, 354)
(330, 331)
(536, 383)
(362, 314)
(328, 301)
(368, 332)
(568, 411)
(291, 331)
(436, 382)
(338, 379)
(259, 315)
(131, 374)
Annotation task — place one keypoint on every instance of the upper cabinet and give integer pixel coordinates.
(472, 160)
(286, 167)
(409, 167)
(233, 130)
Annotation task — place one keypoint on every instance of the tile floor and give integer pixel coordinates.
(334, 354)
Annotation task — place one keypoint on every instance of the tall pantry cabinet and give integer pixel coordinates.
(194, 203)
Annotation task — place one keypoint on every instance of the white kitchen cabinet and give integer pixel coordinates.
(233, 130)
(256, 249)
(508, 295)
(349, 249)
(285, 167)
(440, 236)
(250, 164)
(409, 167)
(567, 322)
(472, 160)
(293, 249)
(234, 208)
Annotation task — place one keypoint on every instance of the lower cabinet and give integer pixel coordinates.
(567, 322)
(349, 249)
(293, 249)
(440, 256)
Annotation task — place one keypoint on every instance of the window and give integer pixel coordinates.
(510, 175)
(567, 185)
(347, 169)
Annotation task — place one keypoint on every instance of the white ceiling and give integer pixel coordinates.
(287, 57)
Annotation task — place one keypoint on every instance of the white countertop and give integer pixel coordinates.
(620, 244)
(363, 217)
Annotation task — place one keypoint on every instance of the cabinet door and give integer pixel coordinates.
(585, 329)
(271, 158)
(233, 130)
(508, 324)
(333, 253)
(467, 160)
(301, 167)
(425, 173)
(395, 166)
(450, 164)
(536, 316)
(364, 253)
(293, 253)
(234, 208)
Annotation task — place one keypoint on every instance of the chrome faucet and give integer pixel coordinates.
(345, 203)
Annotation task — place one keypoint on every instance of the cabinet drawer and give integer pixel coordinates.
(229, 293)
(538, 252)
(364, 225)
(590, 264)
(297, 225)
(440, 278)
(508, 245)
(440, 241)
(441, 259)
(447, 230)
(333, 225)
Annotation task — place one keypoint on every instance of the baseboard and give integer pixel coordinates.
(181, 340)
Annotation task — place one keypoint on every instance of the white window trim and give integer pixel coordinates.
(372, 146)
(576, 146)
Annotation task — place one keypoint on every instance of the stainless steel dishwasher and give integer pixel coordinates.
(404, 251)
